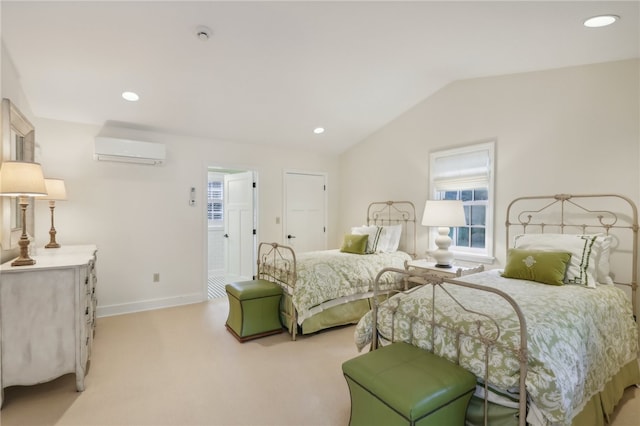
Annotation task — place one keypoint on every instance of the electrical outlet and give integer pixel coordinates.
(156, 277)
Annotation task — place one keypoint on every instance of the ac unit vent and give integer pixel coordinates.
(129, 151)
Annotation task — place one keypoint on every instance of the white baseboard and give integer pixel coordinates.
(148, 305)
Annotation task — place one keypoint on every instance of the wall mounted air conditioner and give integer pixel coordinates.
(129, 151)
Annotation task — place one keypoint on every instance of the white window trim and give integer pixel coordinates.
(487, 255)
(215, 223)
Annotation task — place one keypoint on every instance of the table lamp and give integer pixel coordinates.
(22, 179)
(443, 214)
(56, 191)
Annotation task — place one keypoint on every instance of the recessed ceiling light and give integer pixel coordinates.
(318, 130)
(600, 21)
(130, 96)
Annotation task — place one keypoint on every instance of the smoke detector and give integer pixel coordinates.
(203, 33)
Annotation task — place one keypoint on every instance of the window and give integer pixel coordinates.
(466, 174)
(215, 198)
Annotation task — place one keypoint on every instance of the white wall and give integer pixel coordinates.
(139, 215)
(572, 130)
(11, 88)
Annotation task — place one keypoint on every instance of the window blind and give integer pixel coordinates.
(464, 170)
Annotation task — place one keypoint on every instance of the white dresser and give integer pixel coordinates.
(47, 316)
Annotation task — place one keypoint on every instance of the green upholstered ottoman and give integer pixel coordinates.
(401, 384)
(254, 309)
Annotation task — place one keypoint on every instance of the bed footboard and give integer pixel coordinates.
(277, 263)
(481, 329)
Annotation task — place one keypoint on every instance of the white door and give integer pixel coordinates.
(305, 211)
(239, 226)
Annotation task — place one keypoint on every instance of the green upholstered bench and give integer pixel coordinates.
(401, 384)
(254, 309)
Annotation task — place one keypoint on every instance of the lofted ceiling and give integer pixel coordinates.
(273, 71)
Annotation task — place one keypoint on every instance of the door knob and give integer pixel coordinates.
(290, 236)
(226, 235)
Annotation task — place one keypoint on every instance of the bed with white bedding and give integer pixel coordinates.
(577, 342)
(328, 288)
(330, 277)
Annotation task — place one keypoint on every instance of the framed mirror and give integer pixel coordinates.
(18, 144)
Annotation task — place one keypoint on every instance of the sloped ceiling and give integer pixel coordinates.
(273, 71)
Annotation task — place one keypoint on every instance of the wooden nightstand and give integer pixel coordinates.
(455, 271)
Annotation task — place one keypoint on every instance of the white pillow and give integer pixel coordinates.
(603, 268)
(582, 266)
(390, 238)
(374, 236)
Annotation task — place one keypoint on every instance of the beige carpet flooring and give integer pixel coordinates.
(180, 366)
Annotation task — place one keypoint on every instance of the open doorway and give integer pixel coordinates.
(231, 228)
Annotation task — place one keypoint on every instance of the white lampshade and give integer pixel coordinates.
(55, 190)
(19, 178)
(440, 213)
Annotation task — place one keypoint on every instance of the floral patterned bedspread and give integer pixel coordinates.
(578, 337)
(331, 274)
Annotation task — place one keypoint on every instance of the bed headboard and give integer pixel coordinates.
(383, 213)
(610, 214)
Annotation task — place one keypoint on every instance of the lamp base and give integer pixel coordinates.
(52, 232)
(23, 259)
(52, 241)
(443, 266)
(23, 262)
(442, 256)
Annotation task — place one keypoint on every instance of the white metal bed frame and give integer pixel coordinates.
(572, 214)
(560, 213)
(277, 262)
(383, 213)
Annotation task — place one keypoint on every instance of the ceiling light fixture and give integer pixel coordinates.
(318, 130)
(203, 33)
(600, 21)
(130, 96)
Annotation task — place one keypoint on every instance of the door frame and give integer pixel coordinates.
(325, 175)
(205, 221)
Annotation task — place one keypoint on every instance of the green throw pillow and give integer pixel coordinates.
(547, 267)
(355, 244)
